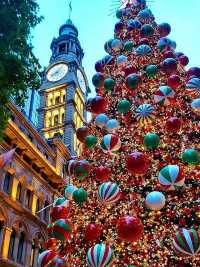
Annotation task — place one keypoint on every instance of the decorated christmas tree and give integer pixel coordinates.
(132, 199)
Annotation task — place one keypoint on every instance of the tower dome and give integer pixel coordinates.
(68, 29)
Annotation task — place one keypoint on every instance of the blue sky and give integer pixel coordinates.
(96, 27)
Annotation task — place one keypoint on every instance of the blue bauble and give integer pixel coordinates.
(101, 120)
(155, 200)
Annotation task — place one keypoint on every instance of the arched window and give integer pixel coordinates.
(20, 247)
(63, 117)
(38, 207)
(19, 192)
(28, 199)
(63, 98)
(7, 182)
(62, 48)
(56, 120)
(12, 244)
(57, 100)
(46, 211)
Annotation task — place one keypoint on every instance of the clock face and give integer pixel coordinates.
(57, 72)
(81, 81)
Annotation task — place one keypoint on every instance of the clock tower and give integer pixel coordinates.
(64, 89)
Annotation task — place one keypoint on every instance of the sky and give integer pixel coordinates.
(95, 26)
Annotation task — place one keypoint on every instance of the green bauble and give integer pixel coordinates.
(151, 140)
(119, 14)
(151, 71)
(109, 84)
(90, 141)
(133, 81)
(80, 195)
(128, 46)
(191, 156)
(124, 106)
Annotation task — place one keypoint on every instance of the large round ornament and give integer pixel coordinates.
(171, 177)
(98, 79)
(81, 133)
(194, 85)
(133, 81)
(112, 126)
(191, 156)
(147, 31)
(109, 84)
(60, 212)
(62, 230)
(121, 61)
(45, 257)
(145, 15)
(145, 113)
(173, 125)
(151, 71)
(80, 196)
(174, 81)
(101, 120)
(92, 232)
(133, 24)
(98, 105)
(61, 202)
(194, 71)
(151, 140)
(124, 106)
(187, 242)
(184, 60)
(196, 106)
(110, 143)
(165, 95)
(129, 228)
(109, 193)
(155, 200)
(69, 190)
(128, 46)
(116, 45)
(82, 169)
(143, 50)
(164, 29)
(165, 44)
(102, 173)
(100, 256)
(99, 66)
(90, 141)
(169, 65)
(137, 163)
(58, 262)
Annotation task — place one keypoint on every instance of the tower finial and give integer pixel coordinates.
(70, 8)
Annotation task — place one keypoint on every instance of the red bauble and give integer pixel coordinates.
(129, 228)
(184, 60)
(130, 69)
(52, 244)
(137, 163)
(194, 71)
(81, 133)
(92, 232)
(169, 65)
(98, 105)
(102, 173)
(173, 124)
(60, 212)
(174, 81)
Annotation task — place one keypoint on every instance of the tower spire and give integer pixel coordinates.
(70, 9)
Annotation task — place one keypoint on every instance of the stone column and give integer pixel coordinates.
(27, 255)
(6, 242)
(16, 247)
(1, 239)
